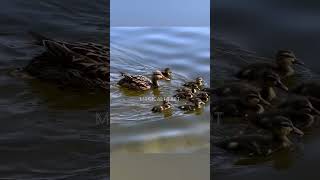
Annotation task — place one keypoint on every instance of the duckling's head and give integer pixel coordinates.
(203, 94)
(166, 102)
(286, 58)
(199, 81)
(198, 102)
(194, 88)
(283, 126)
(272, 79)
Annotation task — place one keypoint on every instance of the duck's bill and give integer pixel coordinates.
(297, 61)
(297, 131)
(282, 86)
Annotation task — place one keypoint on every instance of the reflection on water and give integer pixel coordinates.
(251, 33)
(47, 132)
(137, 50)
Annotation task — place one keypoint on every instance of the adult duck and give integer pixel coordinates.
(139, 82)
(78, 64)
(283, 65)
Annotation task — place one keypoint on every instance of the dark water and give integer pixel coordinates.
(141, 50)
(46, 132)
(250, 31)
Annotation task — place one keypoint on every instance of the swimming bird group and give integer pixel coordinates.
(255, 99)
(191, 92)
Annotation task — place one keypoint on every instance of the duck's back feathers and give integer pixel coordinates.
(135, 82)
(251, 71)
(81, 64)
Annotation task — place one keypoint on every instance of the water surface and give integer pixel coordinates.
(141, 50)
(47, 132)
(246, 32)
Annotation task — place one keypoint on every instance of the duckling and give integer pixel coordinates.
(299, 103)
(167, 73)
(139, 82)
(311, 90)
(273, 123)
(239, 106)
(283, 66)
(193, 89)
(299, 109)
(160, 108)
(197, 103)
(199, 83)
(267, 80)
(236, 89)
(262, 145)
(203, 96)
(184, 95)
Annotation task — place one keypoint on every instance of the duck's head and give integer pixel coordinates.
(156, 76)
(272, 79)
(286, 58)
(200, 81)
(283, 126)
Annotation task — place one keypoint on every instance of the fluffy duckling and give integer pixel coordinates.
(311, 90)
(239, 106)
(299, 103)
(236, 89)
(197, 103)
(203, 96)
(193, 89)
(273, 123)
(283, 66)
(160, 108)
(199, 83)
(262, 145)
(267, 80)
(139, 82)
(299, 109)
(184, 95)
